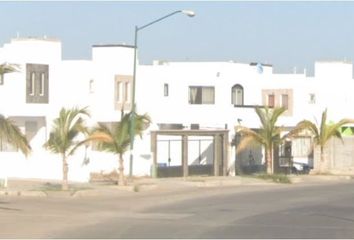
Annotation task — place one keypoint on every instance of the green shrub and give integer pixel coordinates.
(136, 188)
(277, 178)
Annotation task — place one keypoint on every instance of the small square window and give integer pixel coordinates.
(312, 98)
(91, 86)
(165, 90)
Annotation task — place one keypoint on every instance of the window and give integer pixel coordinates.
(122, 91)
(1, 79)
(31, 128)
(126, 91)
(237, 95)
(201, 95)
(301, 147)
(312, 98)
(165, 90)
(118, 91)
(32, 83)
(285, 101)
(41, 84)
(37, 78)
(122, 94)
(91, 86)
(271, 100)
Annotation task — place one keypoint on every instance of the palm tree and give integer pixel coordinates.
(117, 139)
(8, 129)
(268, 134)
(13, 135)
(322, 134)
(63, 137)
(8, 68)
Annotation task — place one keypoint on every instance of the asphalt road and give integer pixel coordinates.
(281, 211)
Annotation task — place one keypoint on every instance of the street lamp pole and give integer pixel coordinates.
(133, 107)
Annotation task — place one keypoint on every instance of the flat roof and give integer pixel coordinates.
(44, 38)
(199, 132)
(263, 64)
(113, 45)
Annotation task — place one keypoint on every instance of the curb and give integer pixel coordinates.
(149, 186)
(114, 190)
(319, 178)
(23, 193)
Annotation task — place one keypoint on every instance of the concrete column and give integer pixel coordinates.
(154, 154)
(216, 155)
(185, 155)
(225, 160)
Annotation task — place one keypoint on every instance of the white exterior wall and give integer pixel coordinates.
(69, 86)
(180, 76)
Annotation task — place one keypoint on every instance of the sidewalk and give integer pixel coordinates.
(45, 188)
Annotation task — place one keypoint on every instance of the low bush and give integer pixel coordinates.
(277, 178)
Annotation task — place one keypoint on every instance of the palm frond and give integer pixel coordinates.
(247, 133)
(245, 142)
(13, 135)
(262, 115)
(118, 139)
(323, 126)
(333, 130)
(66, 128)
(275, 114)
(8, 68)
(301, 127)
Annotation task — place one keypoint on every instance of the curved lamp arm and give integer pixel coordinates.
(189, 13)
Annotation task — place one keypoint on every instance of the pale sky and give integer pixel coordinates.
(285, 34)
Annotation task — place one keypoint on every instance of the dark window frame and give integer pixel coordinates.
(271, 103)
(165, 90)
(285, 103)
(198, 98)
(37, 83)
(234, 94)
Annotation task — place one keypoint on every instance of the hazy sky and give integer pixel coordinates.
(285, 34)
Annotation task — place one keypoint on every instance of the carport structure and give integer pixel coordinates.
(220, 155)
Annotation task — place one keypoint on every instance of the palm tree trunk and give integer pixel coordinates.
(121, 171)
(322, 161)
(65, 185)
(269, 161)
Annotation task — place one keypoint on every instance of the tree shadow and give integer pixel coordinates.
(8, 208)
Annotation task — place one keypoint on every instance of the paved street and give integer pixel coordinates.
(270, 211)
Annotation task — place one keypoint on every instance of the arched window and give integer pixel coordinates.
(237, 95)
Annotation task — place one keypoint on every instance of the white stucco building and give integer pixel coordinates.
(183, 95)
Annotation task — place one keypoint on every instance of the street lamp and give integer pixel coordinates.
(137, 29)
